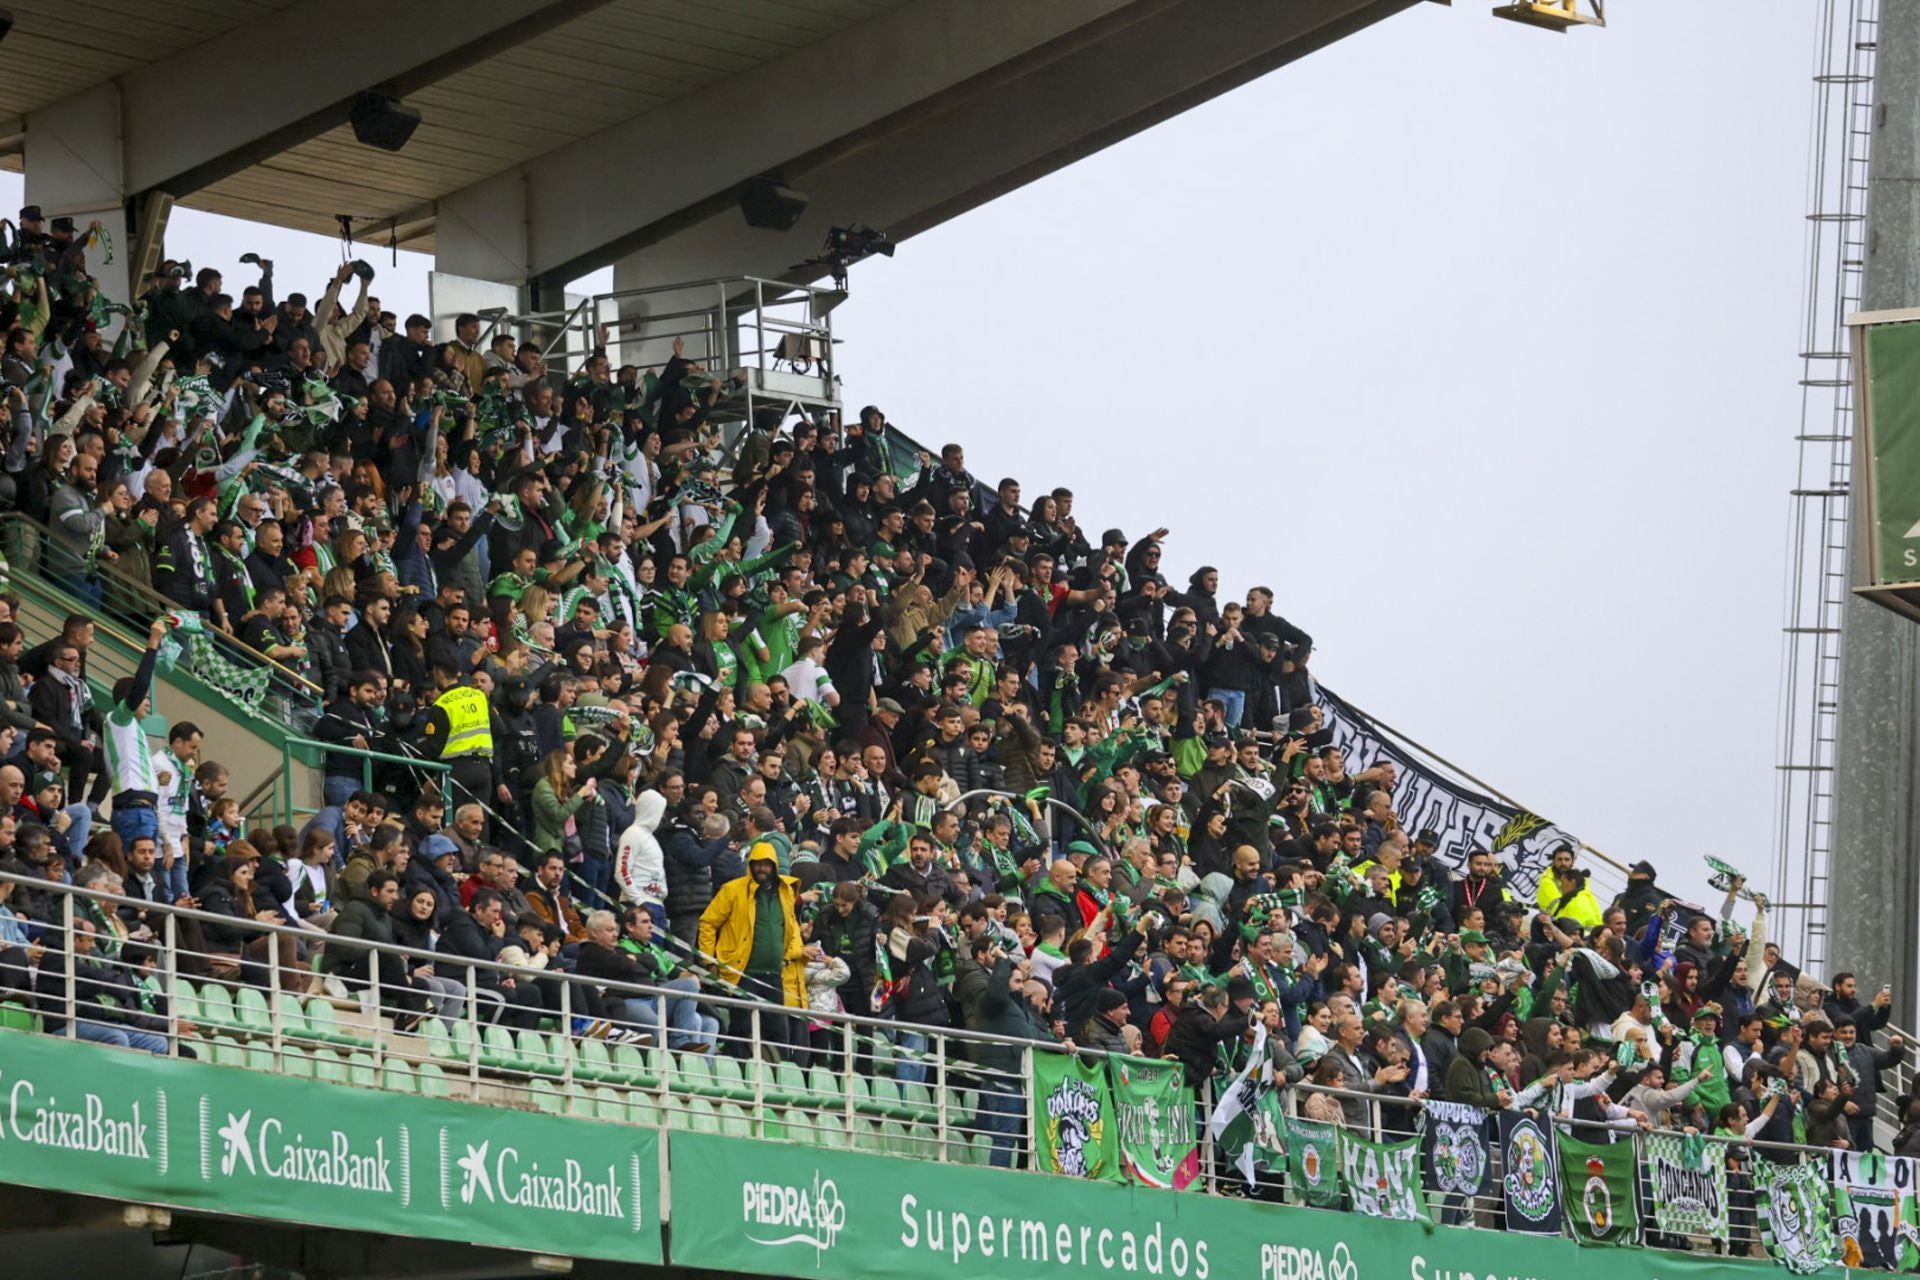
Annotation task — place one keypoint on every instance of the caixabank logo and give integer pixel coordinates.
(267, 1146)
(494, 1172)
(1300, 1262)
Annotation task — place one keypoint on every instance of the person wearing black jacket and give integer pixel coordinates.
(690, 857)
(408, 357)
(1203, 1025)
(470, 935)
(349, 723)
(183, 570)
(1078, 983)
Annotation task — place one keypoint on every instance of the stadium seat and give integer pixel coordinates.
(292, 1019)
(982, 1149)
(323, 1022)
(862, 1095)
(499, 1051)
(595, 1063)
(397, 1077)
(632, 1065)
(702, 1117)
(694, 1074)
(460, 1040)
(608, 1103)
(216, 1007)
(734, 1122)
(544, 1055)
(259, 1057)
(730, 1080)
(916, 1100)
(823, 1091)
(439, 1041)
(361, 1072)
(330, 1067)
(227, 1051)
(643, 1107)
(17, 1017)
(433, 1081)
(186, 1001)
(251, 1013)
(547, 1098)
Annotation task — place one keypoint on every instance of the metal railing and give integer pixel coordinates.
(126, 604)
(238, 992)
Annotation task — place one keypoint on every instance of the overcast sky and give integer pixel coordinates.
(1476, 343)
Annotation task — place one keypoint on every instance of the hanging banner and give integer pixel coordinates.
(1313, 1162)
(783, 1209)
(1688, 1180)
(1073, 1126)
(1456, 1149)
(1598, 1177)
(1383, 1178)
(1796, 1224)
(1873, 1210)
(1247, 1120)
(1530, 1181)
(1429, 796)
(131, 1126)
(1154, 1110)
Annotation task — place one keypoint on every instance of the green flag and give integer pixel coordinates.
(1313, 1162)
(1383, 1178)
(1073, 1125)
(1598, 1177)
(1688, 1181)
(1797, 1223)
(1248, 1119)
(1154, 1110)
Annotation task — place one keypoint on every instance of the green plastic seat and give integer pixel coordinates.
(498, 1051)
(917, 1100)
(643, 1107)
(433, 1081)
(547, 1098)
(258, 1056)
(702, 1116)
(886, 1100)
(775, 1124)
(730, 1080)
(983, 1149)
(439, 1041)
(17, 1017)
(823, 1090)
(227, 1052)
(398, 1077)
(883, 1053)
(361, 1073)
(250, 1012)
(694, 1074)
(734, 1122)
(544, 1054)
(631, 1065)
(788, 1087)
(186, 1001)
(323, 1023)
(329, 1067)
(609, 1103)
(898, 1140)
(296, 1062)
(595, 1063)
(462, 1038)
(216, 1007)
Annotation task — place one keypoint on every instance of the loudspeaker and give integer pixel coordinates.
(769, 203)
(379, 121)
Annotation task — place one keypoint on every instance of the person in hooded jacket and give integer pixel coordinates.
(689, 855)
(639, 863)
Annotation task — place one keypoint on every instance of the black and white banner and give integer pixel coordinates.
(1427, 795)
(1529, 1174)
(1458, 1161)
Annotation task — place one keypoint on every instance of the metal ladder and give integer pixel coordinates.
(1841, 147)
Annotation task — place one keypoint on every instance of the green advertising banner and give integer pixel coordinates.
(775, 1209)
(1154, 1109)
(1598, 1177)
(1073, 1124)
(1893, 401)
(80, 1118)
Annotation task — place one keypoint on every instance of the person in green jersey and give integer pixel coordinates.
(136, 789)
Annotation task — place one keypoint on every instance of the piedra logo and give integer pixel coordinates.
(786, 1214)
(1296, 1262)
(1074, 1126)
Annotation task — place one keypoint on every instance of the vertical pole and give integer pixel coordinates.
(852, 1069)
(940, 1093)
(565, 1041)
(1206, 1138)
(66, 919)
(473, 1030)
(273, 999)
(1027, 1091)
(379, 1030)
(170, 956)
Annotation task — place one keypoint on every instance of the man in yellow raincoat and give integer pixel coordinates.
(750, 929)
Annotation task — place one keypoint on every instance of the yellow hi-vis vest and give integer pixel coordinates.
(469, 724)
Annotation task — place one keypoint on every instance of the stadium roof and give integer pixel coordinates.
(562, 73)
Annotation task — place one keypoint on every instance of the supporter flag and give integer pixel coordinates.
(1246, 1122)
(1430, 795)
(1530, 1183)
(1688, 1176)
(1796, 1224)
(1873, 1207)
(1383, 1178)
(1456, 1149)
(1154, 1109)
(1598, 1177)
(1073, 1126)
(1313, 1162)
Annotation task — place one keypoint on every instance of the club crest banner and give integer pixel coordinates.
(1530, 1181)
(1458, 1162)
(1798, 1226)
(1154, 1109)
(1598, 1177)
(1313, 1162)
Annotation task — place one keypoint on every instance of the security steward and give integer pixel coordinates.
(459, 731)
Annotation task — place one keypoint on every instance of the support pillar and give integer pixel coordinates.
(75, 168)
(1873, 894)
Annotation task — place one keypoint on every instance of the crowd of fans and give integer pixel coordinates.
(767, 714)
